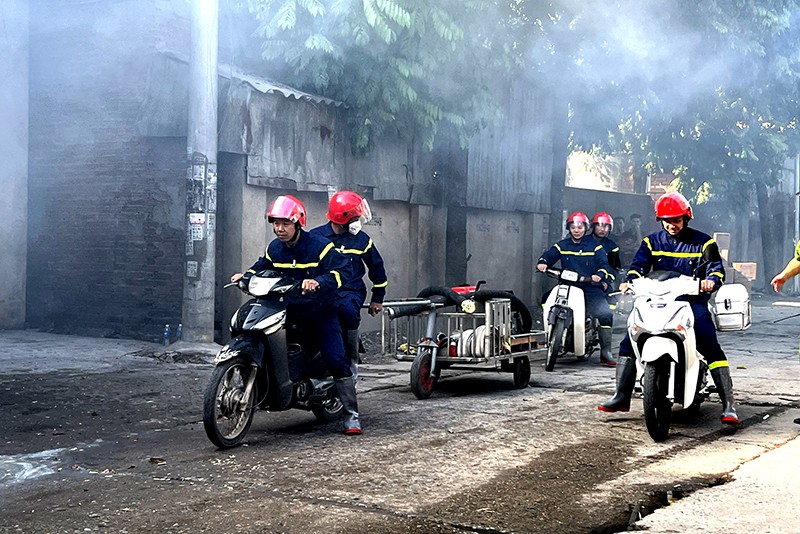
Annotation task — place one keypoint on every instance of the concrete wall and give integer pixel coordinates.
(14, 176)
(496, 250)
(502, 248)
(245, 234)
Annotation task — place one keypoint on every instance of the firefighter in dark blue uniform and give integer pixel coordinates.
(681, 249)
(346, 211)
(315, 261)
(581, 253)
(602, 226)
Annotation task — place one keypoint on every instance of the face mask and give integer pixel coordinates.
(354, 227)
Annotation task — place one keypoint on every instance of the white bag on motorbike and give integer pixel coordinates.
(730, 307)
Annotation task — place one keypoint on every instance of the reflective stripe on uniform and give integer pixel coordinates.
(720, 363)
(355, 250)
(570, 253)
(677, 254)
(608, 274)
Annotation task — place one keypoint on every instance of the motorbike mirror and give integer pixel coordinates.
(569, 276)
(696, 270)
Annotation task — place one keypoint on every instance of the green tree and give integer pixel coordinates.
(414, 67)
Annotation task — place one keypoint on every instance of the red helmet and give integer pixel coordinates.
(287, 207)
(578, 217)
(603, 218)
(344, 206)
(673, 205)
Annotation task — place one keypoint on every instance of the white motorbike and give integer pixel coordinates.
(569, 329)
(661, 330)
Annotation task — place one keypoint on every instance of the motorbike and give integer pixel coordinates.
(264, 365)
(569, 329)
(661, 330)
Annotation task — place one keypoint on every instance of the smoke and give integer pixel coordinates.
(610, 58)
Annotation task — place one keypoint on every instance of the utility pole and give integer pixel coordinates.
(201, 176)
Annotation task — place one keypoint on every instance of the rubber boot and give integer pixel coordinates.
(346, 390)
(606, 358)
(626, 380)
(351, 352)
(722, 379)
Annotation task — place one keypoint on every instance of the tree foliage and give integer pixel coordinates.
(705, 90)
(410, 66)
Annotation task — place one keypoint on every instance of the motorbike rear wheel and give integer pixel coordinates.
(554, 344)
(422, 381)
(227, 415)
(329, 410)
(657, 408)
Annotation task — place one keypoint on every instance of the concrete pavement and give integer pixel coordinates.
(762, 497)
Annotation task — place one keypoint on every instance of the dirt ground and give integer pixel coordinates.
(125, 450)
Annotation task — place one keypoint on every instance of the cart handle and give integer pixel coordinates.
(394, 311)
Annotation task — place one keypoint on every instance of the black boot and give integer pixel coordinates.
(722, 379)
(351, 351)
(346, 390)
(626, 380)
(606, 358)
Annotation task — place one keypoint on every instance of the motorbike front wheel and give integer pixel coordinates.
(554, 344)
(422, 381)
(657, 407)
(227, 415)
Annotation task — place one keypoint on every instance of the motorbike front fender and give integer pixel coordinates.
(243, 344)
(657, 346)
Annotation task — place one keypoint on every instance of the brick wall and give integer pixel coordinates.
(106, 204)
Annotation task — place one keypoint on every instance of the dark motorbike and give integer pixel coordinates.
(264, 365)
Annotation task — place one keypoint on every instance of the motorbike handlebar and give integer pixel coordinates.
(557, 274)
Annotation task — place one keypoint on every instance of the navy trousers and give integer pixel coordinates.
(320, 323)
(597, 305)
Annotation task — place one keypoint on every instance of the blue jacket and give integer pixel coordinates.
(311, 256)
(586, 257)
(363, 256)
(682, 254)
(612, 251)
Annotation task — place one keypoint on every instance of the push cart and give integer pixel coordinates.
(476, 336)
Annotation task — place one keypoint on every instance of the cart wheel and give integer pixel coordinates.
(522, 372)
(422, 381)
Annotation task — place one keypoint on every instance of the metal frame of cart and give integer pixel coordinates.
(435, 339)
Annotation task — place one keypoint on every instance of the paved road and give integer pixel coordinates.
(98, 435)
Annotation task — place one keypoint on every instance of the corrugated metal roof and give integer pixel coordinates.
(258, 83)
(267, 87)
